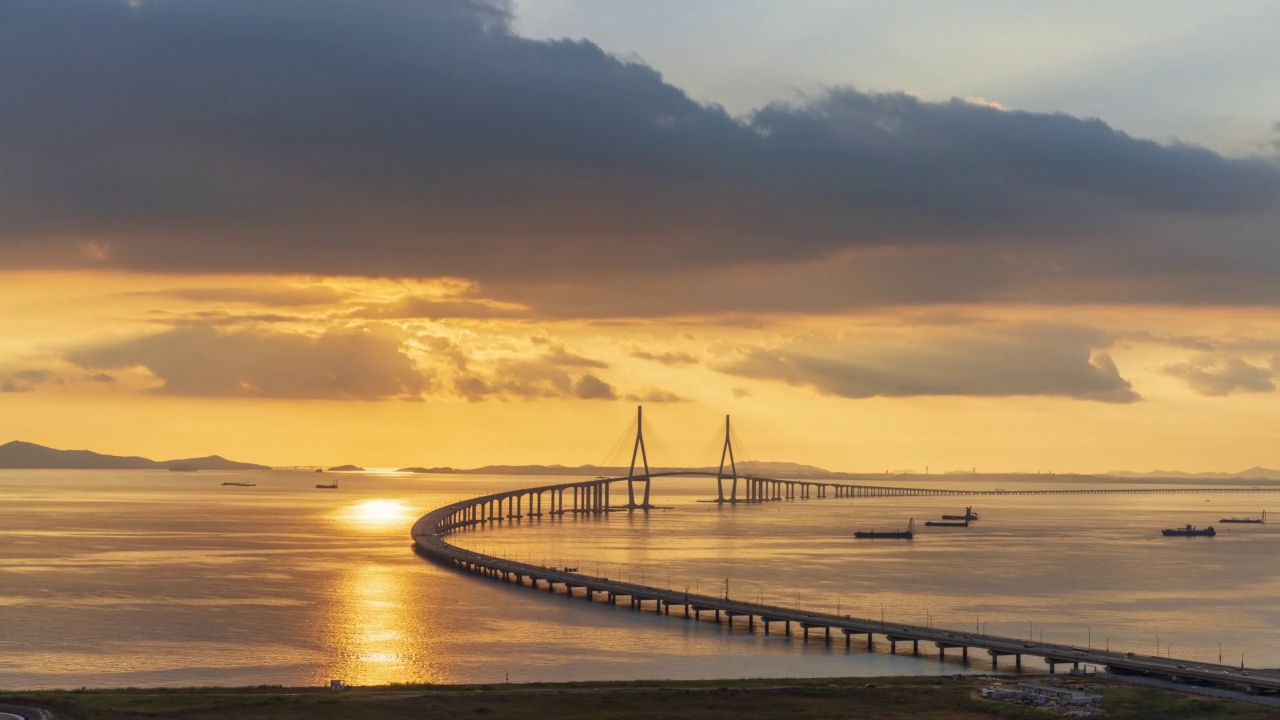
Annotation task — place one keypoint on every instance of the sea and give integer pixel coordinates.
(154, 578)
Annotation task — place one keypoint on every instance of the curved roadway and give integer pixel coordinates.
(429, 534)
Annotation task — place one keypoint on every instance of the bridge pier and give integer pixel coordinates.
(995, 656)
(848, 637)
(943, 647)
(1055, 662)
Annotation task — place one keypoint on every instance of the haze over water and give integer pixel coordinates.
(152, 578)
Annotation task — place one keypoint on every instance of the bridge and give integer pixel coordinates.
(592, 497)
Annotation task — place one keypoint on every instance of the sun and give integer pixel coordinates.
(377, 513)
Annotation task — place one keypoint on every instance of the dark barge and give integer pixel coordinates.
(888, 535)
(1189, 531)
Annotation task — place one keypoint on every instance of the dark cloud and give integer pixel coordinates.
(1043, 360)
(414, 307)
(271, 297)
(1218, 377)
(530, 379)
(562, 357)
(363, 364)
(23, 380)
(425, 139)
(590, 387)
(221, 318)
(666, 358)
(654, 395)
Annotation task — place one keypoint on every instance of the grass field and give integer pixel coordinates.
(921, 698)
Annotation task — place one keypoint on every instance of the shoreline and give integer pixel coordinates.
(943, 697)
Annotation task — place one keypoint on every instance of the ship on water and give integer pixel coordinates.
(947, 523)
(328, 486)
(969, 515)
(240, 484)
(1256, 521)
(888, 535)
(1189, 531)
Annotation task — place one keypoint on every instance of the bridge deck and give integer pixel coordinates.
(429, 537)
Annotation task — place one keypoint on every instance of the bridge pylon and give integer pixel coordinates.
(638, 452)
(727, 452)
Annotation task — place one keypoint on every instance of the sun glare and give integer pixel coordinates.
(376, 513)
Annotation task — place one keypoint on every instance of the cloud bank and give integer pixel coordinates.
(1041, 360)
(341, 364)
(422, 139)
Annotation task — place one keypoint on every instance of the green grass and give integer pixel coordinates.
(919, 698)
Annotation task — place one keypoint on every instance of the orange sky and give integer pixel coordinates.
(47, 317)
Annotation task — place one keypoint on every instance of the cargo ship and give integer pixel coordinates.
(892, 535)
(1188, 531)
(968, 515)
(1257, 521)
(946, 523)
(329, 486)
(240, 484)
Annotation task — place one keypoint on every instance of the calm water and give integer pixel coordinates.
(154, 578)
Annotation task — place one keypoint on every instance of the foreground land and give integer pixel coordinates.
(927, 698)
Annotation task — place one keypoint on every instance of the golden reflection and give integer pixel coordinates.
(376, 514)
(372, 629)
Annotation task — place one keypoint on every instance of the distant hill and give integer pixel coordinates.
(1253, 473)
(25, 455)
(346, 468)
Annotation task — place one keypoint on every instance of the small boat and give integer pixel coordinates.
(945, 523)
(327, 486)
(969, 514)
(893, 535)
(241, 484)
(1257, 521)
(1189, 531)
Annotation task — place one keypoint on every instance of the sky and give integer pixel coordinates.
(882, 236)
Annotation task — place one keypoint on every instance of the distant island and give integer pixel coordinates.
(24, 455)
(29, 456)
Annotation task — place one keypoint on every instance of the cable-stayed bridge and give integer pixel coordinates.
(594, 497)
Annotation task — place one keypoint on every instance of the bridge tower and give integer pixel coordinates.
(727, 451)
(632, 478)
